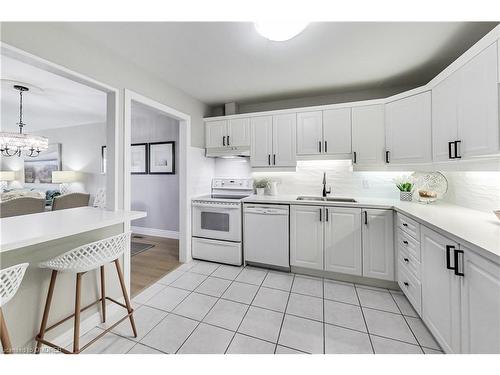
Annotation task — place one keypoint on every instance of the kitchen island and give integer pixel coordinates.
(37, 237)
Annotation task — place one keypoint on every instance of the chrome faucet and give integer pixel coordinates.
(325, 190)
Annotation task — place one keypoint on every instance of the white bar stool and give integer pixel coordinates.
(79, 261)
(10, 280)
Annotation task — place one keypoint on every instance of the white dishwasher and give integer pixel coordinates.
(266, 235)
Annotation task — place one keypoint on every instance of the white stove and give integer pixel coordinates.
(216, 221)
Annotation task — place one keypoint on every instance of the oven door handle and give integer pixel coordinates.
(230, 206)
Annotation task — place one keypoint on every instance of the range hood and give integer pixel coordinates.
(221, 152)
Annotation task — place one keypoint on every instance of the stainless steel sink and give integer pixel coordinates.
(327, 199)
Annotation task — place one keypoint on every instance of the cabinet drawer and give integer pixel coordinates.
(409, 226)
(411, 245)
(411, 287)
(405, 259)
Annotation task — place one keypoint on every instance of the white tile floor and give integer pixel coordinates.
(204, 307)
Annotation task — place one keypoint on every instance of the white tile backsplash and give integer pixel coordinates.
(476, 190)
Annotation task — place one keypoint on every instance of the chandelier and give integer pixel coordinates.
(12, 144)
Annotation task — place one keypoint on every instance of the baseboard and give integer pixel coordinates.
(155, 232)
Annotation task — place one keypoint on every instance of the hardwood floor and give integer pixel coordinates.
(151, 265)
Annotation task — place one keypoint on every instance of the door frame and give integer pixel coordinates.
(184, 143)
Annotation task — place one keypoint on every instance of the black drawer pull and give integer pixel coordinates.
(354, 157)
(269, 159)
(405, 225)
(387, 157)
(319, 143)
(406, 284)
(457, 155)
(405, 242)
(326, 146)
(406, 260)
(228, 140)
(223, 140)
(274, 159)
(456, 254)
(448, 257)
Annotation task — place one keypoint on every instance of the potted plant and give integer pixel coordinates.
(405, 185)
(260, 185)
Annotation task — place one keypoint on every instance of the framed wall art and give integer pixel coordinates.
(162, 158)
(139, 158)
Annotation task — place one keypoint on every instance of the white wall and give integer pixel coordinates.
(158, 195)
(53, 42)
(476, 190)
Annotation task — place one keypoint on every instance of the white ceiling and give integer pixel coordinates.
(219, 62)
(52, 102)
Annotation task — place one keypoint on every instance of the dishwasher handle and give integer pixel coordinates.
(266, 210)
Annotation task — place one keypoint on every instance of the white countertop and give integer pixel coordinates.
(27, 230)
(477, 230)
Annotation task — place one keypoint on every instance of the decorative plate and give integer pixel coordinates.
(431, 182)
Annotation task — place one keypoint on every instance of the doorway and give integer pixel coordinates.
(155, 181)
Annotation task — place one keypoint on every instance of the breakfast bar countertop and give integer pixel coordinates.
(26, 230)
(472, 228)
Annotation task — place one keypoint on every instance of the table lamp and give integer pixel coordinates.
(64, 178)
(5, 177)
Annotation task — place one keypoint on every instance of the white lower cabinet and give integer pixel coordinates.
(440, 290)
(378, 244)
(480, 298)
(306, 237)
(343, 240)
(335, 239)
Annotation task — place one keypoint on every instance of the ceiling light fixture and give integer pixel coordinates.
(279, 31)
(12, 144)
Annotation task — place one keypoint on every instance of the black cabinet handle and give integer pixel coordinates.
(406, 284)
(326, 214)
(387, 157)
(320, 214)
(406, 260)
(456, 254)
(228, 140)
(319, 145)
(268, 159)
(405, 225)
(405, 242)
(274, 159)
(354, 157)
(326, 146)
(223, 140)
(448, 257)
(457, 156)
(366, 217)
(450, 153)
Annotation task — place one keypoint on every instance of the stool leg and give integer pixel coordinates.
(48, 301)
(125, 295)
(76, 330)
(4, 335)
(103, 295)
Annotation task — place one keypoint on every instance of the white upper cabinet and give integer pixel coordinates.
(261, 145)
(238, 134)
(284, 149)
(306, 237)
(440, 290)
(480, 293)
(309, 133)
(343, 240)
(465, 110)
(215, 133)
(273, 141)
(337, 131)
(445, 118)
(378, 244)
(368, 135)
(478, 127)
(408, 129)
